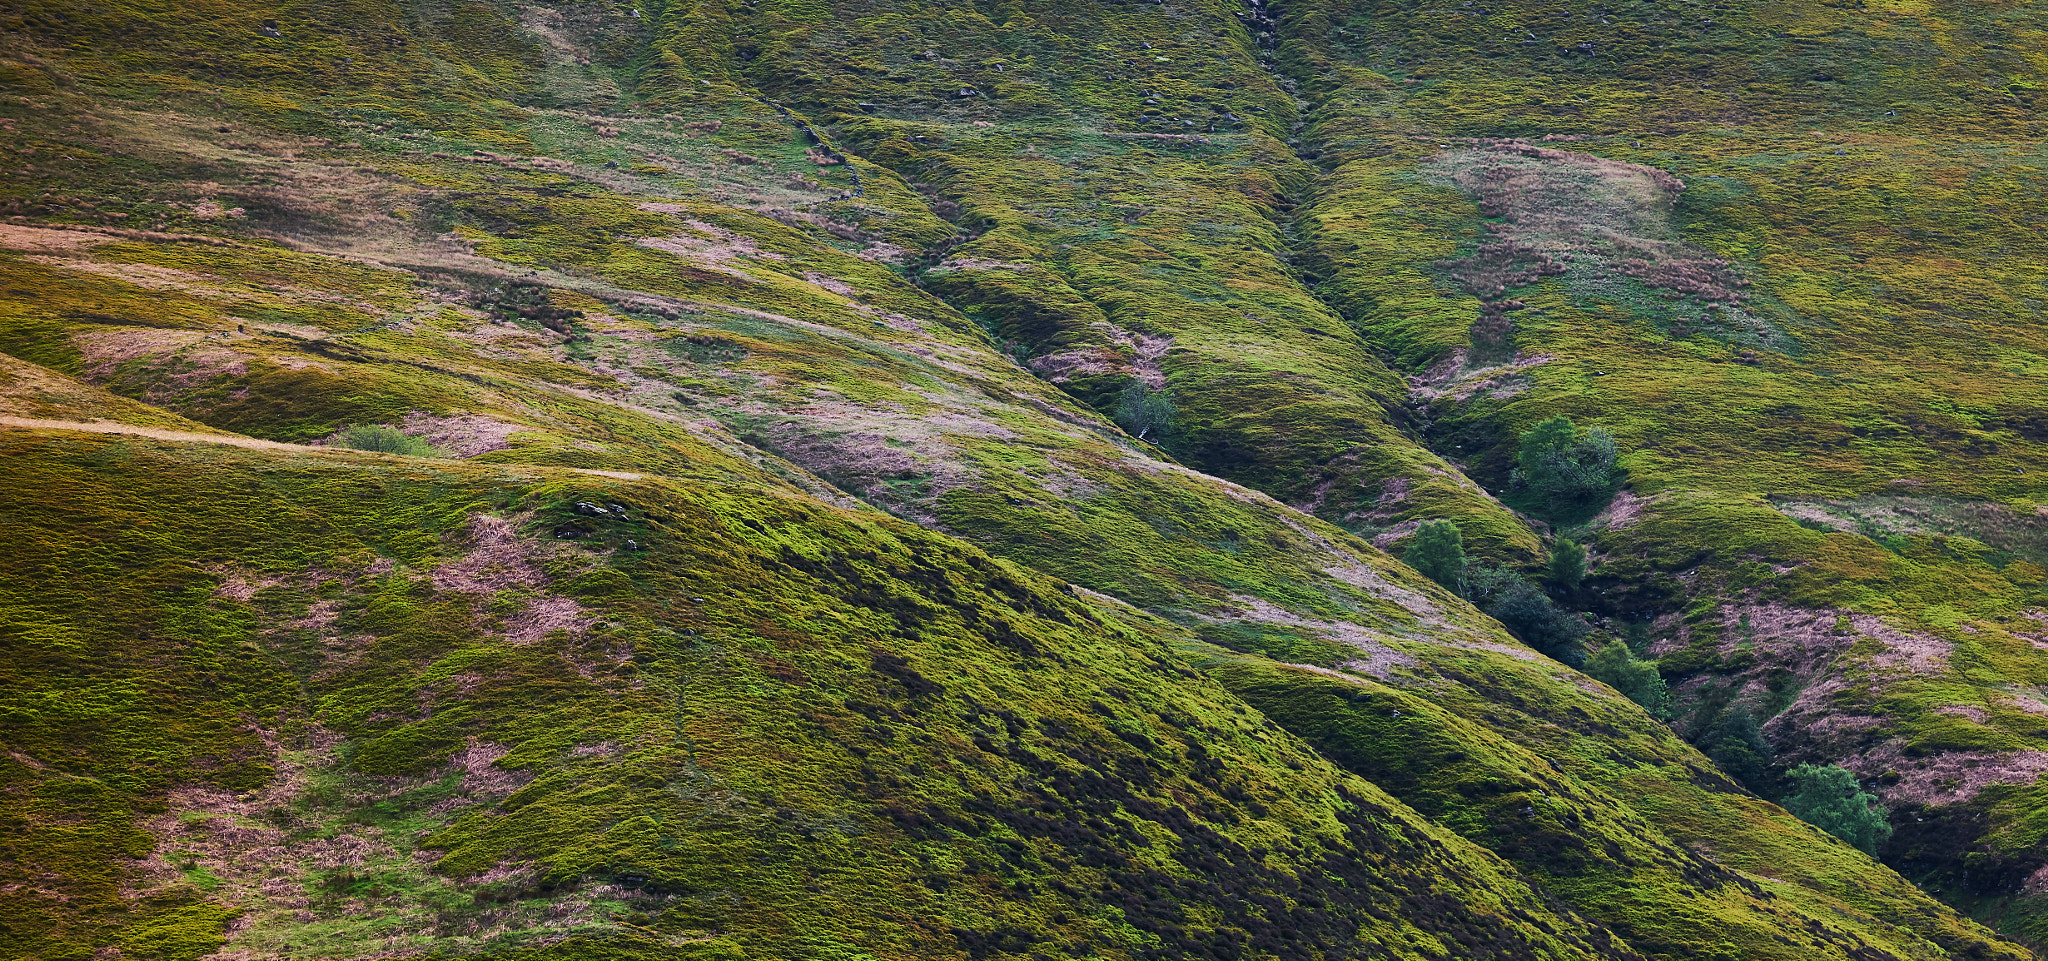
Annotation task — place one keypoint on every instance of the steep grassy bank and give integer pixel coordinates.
(354, 707)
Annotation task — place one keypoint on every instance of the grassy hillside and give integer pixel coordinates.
(352, 707)
(1177, 310)
(1789, 255)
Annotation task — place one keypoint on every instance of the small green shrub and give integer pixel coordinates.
(386, 440)
(1827, 797)
(1616, 666)
(1567, 564)
(1145, 413)
(1562, 463)
(1438, 552)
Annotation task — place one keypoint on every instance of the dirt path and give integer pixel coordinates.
(235, 440)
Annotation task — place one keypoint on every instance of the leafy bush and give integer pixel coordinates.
(1527, 613)
(1736, 744)
(1438, 552)
(1616, 666)
(1145, 413)
(385, 440)
(1827, 797)
(1562, 463)
(1567, 564)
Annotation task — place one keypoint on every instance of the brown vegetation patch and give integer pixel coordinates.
(462, 436)
(1451, 379)
(49, 240)
(105, 349)
(274, 853)
(1556, 212)
(146, 276)
(1124, 352)
(499, 558)
(2022, 532)
(1379, 658)
(1947, 778)
(1624, 510)
(840, 287)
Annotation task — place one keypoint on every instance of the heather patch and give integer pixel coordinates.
(1459, 378)
(2018, 532)
(1606, 227)
(325, 863)
(461, 435)
(1119, 353)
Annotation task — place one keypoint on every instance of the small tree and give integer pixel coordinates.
(1567, 564)
(1145, 413)
(1736, 744)
(1438, 551)
(1616, 666)
(1827, 797)
(1558, 461)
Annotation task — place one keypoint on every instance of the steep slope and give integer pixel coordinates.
(373, 706)
(687, 283)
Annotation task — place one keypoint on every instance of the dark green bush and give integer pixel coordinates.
(1827, 797)
(1438, 552)
(1567, 564)
(1736, 743)
(1145, 413)
(1562, 463)
(1527, 613)
(1616, 666)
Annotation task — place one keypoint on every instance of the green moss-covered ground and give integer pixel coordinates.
(769, 273)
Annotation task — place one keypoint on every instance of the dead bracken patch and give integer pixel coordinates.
(462, 435)
(498, 559)
(2022, 532)
(1625, 509)
(1379, 659)
(1451, 378)
(709, 247)
(1951, 777)
(1121, 351)
(1556, 213)
(279, 855)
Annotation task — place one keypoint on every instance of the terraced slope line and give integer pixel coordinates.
(157, 433)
